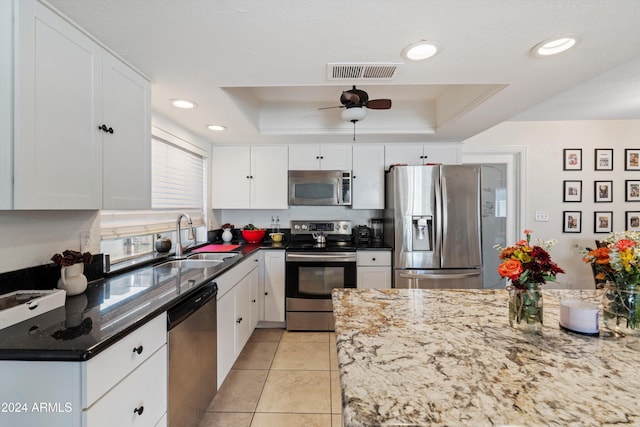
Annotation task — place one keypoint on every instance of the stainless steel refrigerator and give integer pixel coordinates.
(432, 221)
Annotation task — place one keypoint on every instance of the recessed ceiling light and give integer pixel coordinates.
(216, 127)
(183, 103)
(420, 50)
(555, 45)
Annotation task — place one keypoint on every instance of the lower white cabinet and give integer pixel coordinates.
(238, 311)
(272, 297)
(125, 385)
(374, 269)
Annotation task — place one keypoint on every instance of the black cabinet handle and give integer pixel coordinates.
(373, 259)
(138, 349)
(104, 128)
(239, 320)
(139, 410)
(266, 293)
(253, 300)
(321, 157)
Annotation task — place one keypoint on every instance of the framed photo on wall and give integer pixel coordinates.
(603, 191)
(572, 221)
(632, 190)
(572, 191)
(603, 222)
(632, 220)
(604, 159)
(572, 159)
(632, 159)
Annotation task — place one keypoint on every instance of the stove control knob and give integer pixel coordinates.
(345, 226)
(305, 226)
(296, 227)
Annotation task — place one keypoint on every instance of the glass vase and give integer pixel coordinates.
(525, 308)
(621, 309)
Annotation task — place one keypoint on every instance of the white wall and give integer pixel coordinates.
(30, 238)
(544, 176)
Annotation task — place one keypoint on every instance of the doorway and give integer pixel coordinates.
(501, 202)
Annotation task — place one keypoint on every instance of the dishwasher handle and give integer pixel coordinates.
(184, 309)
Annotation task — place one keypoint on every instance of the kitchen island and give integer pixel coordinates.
(449, 357)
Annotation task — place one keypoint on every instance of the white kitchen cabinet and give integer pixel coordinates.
(368, 177)
(374, 269)
(258, 175)
(66, 87)
(420, 154)
(127, 152)
(6, 105)
(273, 294)
(237, 313)
(320, 157)
(104, 390)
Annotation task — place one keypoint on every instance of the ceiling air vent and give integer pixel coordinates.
(366, 71)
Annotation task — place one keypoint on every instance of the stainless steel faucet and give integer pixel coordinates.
(179, 249)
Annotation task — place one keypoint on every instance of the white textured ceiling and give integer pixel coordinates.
(260, 67)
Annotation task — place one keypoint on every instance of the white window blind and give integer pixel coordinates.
(177, 185)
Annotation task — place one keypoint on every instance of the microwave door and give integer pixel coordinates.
(316, 192)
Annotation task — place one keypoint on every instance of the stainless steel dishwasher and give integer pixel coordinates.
(192, 327)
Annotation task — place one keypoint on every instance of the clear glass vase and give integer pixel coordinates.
(621, 309)
(525, 308)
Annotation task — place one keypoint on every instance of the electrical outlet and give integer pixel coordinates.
(85, 241)
(542, 216)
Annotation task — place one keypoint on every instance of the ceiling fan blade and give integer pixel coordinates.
(327, 108)
(379, 104)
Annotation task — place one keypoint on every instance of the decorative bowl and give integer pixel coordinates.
(253, 236)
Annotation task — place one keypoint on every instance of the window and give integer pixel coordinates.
(178, 171)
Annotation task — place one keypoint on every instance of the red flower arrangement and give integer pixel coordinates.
(69, 257)
(525, 264)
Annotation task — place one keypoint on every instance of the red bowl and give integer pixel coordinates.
(253, 236)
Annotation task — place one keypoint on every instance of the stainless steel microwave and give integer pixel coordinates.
(319, 188)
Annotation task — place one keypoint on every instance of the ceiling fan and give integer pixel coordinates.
(354, 101)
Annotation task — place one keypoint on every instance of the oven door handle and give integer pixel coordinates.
(323, 257)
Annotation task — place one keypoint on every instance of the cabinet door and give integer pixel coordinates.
(304, 157)
(374, 277)
(231, 177)
(58, 147)
(335, 157)
(127, 151)
(226, 334)
(243, 311)
(269, 183)
(368, 177)
(447, 155)
(409, 154)
(274, 268)
(6, 105)
(254, 287)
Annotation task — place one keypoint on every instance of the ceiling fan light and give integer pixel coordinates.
(353, 114)
(555, 45)
(183, 103)
(420, 50)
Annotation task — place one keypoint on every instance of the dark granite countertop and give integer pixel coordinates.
(374, 246)
(109, 309)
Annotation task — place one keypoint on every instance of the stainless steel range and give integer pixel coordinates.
(319, 258)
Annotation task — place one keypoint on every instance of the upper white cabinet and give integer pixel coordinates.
(420, 154)
(258, 174)
(320, 157)
(126, 151)
(368, 177)
(66, 88)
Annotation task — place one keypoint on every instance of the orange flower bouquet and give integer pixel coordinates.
(526, 267)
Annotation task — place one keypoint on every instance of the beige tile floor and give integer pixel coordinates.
(280, 379)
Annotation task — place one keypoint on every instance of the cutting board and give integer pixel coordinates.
(216, 248)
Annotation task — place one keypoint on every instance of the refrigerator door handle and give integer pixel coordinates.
(438, 276)
(445, 215)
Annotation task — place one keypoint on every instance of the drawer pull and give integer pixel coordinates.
(239, 320)
(138, 349)
(373, 259)
(253, 300)
(139, 410)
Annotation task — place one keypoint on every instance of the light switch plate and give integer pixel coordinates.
(542, 216)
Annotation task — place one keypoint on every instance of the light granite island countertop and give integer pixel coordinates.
(449, 358)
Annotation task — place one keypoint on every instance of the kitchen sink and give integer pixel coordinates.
(212, 256)
(190, 263)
